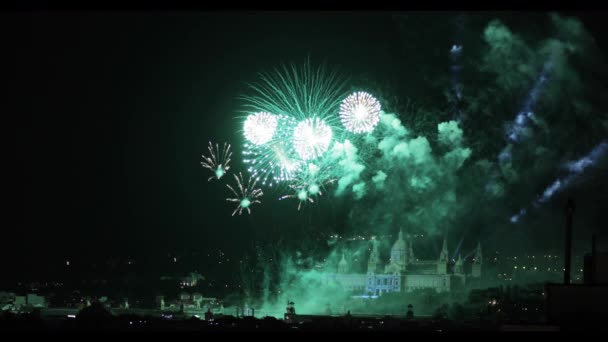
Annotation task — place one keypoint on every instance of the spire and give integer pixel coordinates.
(443, 257)
(373, 265)
(400, 234)
(343, 265)
(459, 261)
(478, 256)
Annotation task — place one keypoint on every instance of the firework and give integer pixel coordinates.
(276, 160)
(305, 193)
(260, 127)
(304, 102)
(246, 196)
(218, 163)
(360, 112)
(311, 138)
(310, 182)
(299, 92)
(301, 194)
(575, 168)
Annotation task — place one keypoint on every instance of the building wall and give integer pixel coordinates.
(424, 281)
(377, 284)
(476, 271)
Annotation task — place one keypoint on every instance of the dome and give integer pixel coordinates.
(400, 243)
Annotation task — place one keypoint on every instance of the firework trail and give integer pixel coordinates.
(575, 169)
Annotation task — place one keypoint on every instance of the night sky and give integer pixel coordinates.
(121, 105)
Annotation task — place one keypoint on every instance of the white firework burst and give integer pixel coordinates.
(311, 138)
(246, 196)
(259, 127)
(218, 163)
(275, 161)
(360, 112)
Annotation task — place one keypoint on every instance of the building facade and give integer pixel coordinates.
(405, 272)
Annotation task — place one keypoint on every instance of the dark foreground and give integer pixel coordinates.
(131, 323)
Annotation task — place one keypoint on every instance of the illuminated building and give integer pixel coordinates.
(405, 272)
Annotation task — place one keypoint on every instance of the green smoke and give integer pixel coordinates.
(379, 179)
(348, 167)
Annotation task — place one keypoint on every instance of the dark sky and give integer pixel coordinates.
(120, 106)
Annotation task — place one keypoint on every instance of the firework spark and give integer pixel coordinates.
(218, 163)
(246, 196)
(360, 112)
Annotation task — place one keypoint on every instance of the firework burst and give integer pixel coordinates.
(311, 138)
(246, 196)
(259, 128)
(360, 112)
(218, 163)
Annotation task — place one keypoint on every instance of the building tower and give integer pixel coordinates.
(459, 271)
(373, 264)
(343, 266)
(442, 263)
(459, 266)
(477, 261)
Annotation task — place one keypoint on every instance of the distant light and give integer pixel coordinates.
(67, 263)
(71, 316)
